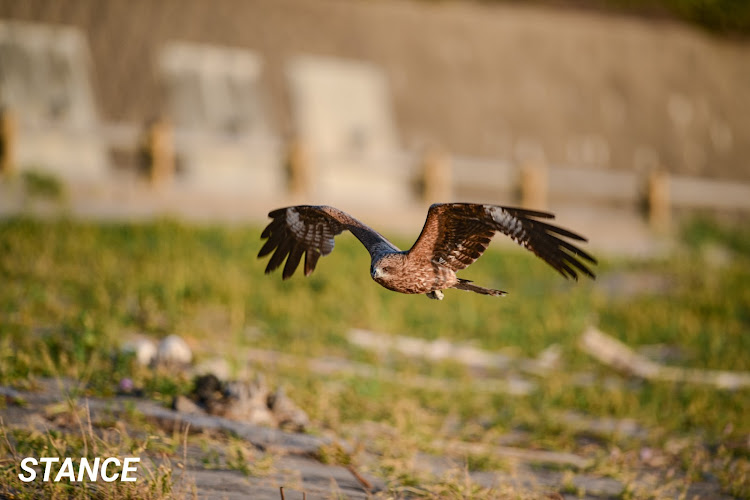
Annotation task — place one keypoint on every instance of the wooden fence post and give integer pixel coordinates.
(8, 138)
(437, 177)
(534, 186)
(659, 209)
(161, 151)
(298, 169)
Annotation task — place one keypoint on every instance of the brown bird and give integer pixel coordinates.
(453, 237)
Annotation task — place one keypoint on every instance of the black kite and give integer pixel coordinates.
(453, 237)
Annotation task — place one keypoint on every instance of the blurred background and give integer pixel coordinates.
(619, 116)
(143, 142)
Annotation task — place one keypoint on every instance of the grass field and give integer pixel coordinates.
(70, 292)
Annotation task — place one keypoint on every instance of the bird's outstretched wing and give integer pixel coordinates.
(310, 230)
(456, 234)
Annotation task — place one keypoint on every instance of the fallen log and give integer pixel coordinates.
(542, 457)
(444, 350)
(622, 358)
(327, 366)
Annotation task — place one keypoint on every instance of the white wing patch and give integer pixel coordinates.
(513, 225)
(318, 234)
(293, 221)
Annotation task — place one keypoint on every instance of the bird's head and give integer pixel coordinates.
(384, 268)
(379, 271)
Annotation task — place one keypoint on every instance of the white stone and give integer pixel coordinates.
(143, 349)
(173, 349)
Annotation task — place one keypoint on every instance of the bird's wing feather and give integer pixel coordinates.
(310, 230)
(456, 235)
(453, 235)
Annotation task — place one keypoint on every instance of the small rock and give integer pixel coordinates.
(173, 350)
(210, 393)
(186, 405)
(144, 350)
(288, 414)
(248, 402)
(251, 402)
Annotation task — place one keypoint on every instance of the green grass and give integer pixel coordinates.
(93, 440)
(70, 291)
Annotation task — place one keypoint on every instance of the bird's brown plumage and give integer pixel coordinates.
(453, 237)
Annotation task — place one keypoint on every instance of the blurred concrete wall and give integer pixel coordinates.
(506, 81)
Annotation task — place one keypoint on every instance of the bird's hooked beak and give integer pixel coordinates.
(376, 272)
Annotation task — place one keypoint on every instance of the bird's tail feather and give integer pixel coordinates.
(471, 287)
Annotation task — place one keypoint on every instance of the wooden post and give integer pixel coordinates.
(659, 210)
(298, 169)
(534, 186)
(161, 151)
(437, 178)
(8, 137)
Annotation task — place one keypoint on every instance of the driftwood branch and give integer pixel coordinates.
(512, 453)
(444, 350)
(330, 365)
(622, 358)
(433, 350)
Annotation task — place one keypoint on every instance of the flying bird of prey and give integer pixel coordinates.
(453, 237)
